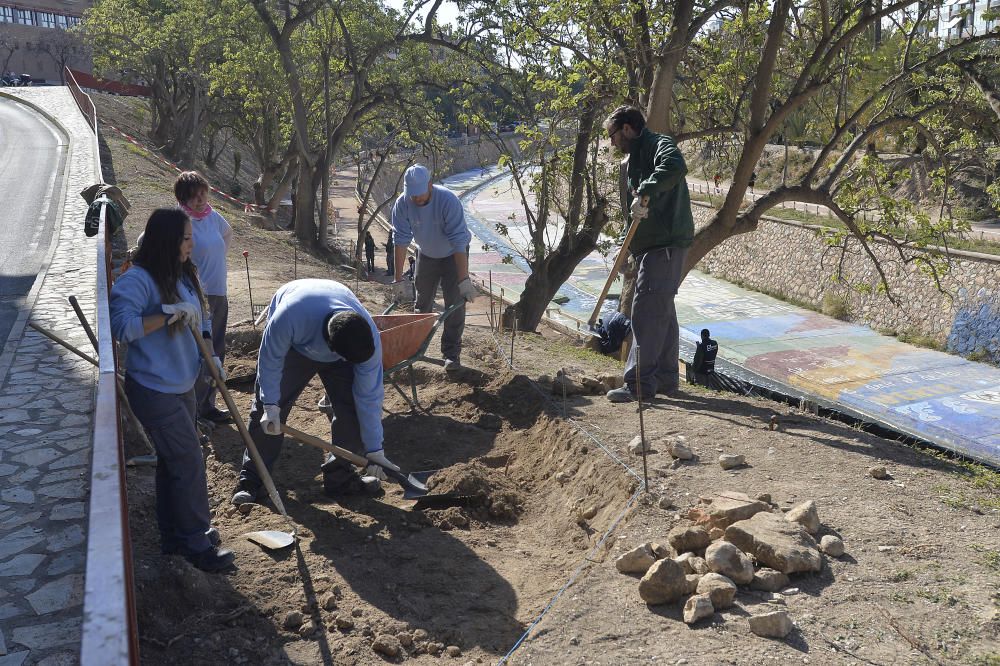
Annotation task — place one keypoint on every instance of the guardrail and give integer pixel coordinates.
(110, 631)
(86, 105)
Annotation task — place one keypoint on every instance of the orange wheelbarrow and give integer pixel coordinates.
(405, 338)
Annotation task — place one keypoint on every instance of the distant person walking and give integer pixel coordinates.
(390, 256)
(152, 306)
(753, 181)
(433, 217)
(370, 251)
(212, 237)
(718, 180)
(660, 204)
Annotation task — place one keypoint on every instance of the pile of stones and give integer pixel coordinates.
(732, 540)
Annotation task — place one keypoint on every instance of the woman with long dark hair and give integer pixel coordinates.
(151, 306)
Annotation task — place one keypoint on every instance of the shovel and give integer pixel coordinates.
(412, 486)
(619, 260)
(270, 539)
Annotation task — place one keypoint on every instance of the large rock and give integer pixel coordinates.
(776, 543)
(663, 583)
(806, 515)
(721, 590)
(771, 625)
(831, 545)
(637, 560)
(680, 450)
(688, 539)
(684, 559)
(769, 580)
(388, 645)
(725, 508)
(697, 607)
(731, 460)
(726, 559)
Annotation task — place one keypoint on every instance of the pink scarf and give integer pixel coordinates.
(200, 215)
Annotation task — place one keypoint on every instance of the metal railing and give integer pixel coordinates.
(110, 631)
(86, 105)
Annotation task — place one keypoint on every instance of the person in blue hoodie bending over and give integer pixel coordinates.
(433, 217)
(152, 306)
(318, 327)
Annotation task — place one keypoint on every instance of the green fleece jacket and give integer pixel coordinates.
(656, 168)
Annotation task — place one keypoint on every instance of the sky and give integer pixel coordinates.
(447, 12)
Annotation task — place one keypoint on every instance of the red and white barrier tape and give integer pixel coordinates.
(247, 206)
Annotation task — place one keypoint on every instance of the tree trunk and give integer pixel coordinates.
(550, 274)
(310, 181)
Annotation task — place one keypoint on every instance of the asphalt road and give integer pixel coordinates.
(32, 166)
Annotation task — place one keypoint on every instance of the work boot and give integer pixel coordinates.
(452, 365)
(622, 394)
(173, 548)
(244, 496)
(212, 560)
(216, 415)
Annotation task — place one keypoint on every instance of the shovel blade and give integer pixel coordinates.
(412, 486)
(272, 539)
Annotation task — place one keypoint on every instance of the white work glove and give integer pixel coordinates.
(218, 366)
(640, 208)
(378, 461)
(271, 420)
(402, 291)
(467, 290)
(187, 313)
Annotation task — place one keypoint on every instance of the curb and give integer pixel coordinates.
(17, 329)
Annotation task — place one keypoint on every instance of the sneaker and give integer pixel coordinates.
(216, 415)
(324, 405)
(452, 365)
(173, 548)
(622, 394)
(244, 497)
(213, 560)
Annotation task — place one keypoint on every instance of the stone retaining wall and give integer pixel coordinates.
(791, 261)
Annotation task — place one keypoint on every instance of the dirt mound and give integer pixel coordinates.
(492, 494)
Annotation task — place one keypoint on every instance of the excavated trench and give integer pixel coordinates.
(537, 497)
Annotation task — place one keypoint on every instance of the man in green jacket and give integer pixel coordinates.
(658, 201)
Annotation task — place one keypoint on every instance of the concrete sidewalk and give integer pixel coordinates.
(46, 411)
(937, 397)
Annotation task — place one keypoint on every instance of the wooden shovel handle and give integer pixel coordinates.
(306, 438)
(619, 260)
(234, 413)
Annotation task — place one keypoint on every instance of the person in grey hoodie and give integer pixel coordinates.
(153, 304)
(432, 216)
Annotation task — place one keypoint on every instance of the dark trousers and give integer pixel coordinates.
(370, 259)
(298, 371)
(654, 323)
(182, 512)
(429, 274)
(390, 261)
(205, 392)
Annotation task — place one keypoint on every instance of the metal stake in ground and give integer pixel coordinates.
(246, 259)
(513, 332)
(642, 425)
(492, 315)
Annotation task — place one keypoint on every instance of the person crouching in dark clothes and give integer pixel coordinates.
(702, 369)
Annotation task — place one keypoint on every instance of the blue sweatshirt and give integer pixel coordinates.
(212, 236)
(438, 228)
(159, 361)
(296, 318)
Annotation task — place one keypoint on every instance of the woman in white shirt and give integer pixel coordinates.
(212, 236)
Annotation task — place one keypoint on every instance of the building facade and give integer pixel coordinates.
(34, 38)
